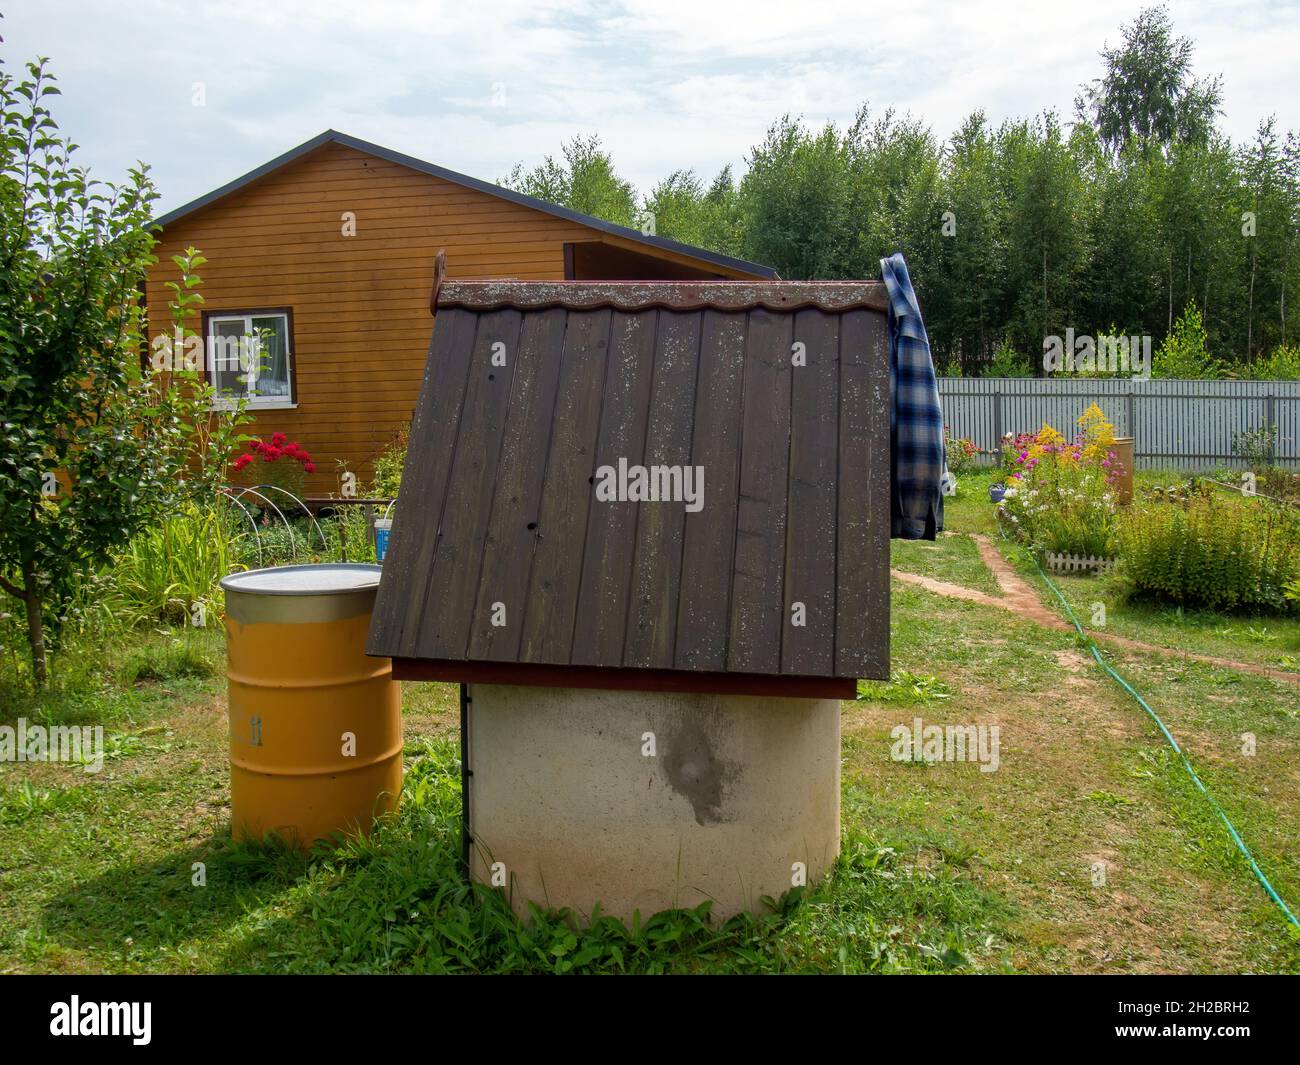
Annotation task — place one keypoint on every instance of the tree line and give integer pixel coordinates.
(1133, 215)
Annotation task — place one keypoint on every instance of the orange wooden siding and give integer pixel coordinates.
(361, 321)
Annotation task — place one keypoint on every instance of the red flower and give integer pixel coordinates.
(242, 461)
(278, 439)
(309, 467)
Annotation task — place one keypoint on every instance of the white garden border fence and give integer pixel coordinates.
(1176, 423)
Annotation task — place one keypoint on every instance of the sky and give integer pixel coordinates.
(204, 92)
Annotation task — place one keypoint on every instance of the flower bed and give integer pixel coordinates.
(1059, 497)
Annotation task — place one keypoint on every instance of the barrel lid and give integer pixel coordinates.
(327, 578)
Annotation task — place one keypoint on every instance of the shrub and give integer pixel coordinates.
(1213, 551)
(1096, 435)
(961, 453)
(1258, 447)
(388, 466)
(1007, 362)
(284, 464)
(1060, 500)
(1282, 365)
(1293, 590)
(1182, 353)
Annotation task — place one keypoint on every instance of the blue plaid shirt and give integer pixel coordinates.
(915, 417)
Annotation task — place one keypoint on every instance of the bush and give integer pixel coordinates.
(1182, 353)
(1007, 362)
(962, 454)
(388, 467)
(1213, 551)
(1258, 447)
(283, 464)
(1282, 365)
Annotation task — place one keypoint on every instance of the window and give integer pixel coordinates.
(250, 354)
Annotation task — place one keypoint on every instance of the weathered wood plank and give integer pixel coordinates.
(444, 628)
(429, 458)
(808, 636)
(703, 619)
(611, 527)
(508, 546)
(862, 540)
(656, 569)
(566, 493)
(757, 597)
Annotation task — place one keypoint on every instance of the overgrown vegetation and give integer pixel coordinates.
(388, 466)
(1203, 548)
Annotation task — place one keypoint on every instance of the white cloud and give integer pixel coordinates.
(667, 83)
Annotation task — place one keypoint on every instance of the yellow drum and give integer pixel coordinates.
(1123, 449)
(315, 725)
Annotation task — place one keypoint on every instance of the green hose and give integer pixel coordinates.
(1232, 831)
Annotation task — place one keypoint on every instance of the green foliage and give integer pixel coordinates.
(1183, 353)
(904, 687)
(169, 571)
(1283, 364)
(1062, 504)
(1017, 231)
(1258, 447)
(388, 467)
(1007, 362)
(683, 209)
(1147, 94)
(584, 180)
(91, 447)
(962, 454)
(1211, 550)
(397, 902)
(168, 660)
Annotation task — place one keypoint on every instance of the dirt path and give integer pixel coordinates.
(1020, 598)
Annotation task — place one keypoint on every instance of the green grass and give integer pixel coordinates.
(943, 868)
(954, 557)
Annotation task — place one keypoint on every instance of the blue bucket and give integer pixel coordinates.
(383, 526)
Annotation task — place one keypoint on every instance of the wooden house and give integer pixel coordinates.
(327, 251)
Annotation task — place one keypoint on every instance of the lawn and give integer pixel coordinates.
(1089, 850)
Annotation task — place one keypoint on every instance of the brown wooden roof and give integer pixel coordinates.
(498, 502)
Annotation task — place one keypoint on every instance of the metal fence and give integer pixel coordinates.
(1175, 423)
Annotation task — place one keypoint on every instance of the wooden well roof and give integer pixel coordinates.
(499, 521)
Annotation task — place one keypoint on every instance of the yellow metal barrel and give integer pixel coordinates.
(1123, 447)
(315, 725)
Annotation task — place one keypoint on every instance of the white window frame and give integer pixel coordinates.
(221, 402)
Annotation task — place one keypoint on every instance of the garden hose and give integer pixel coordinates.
(1187, 765)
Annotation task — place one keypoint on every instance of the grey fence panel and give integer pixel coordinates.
(1177, 423)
